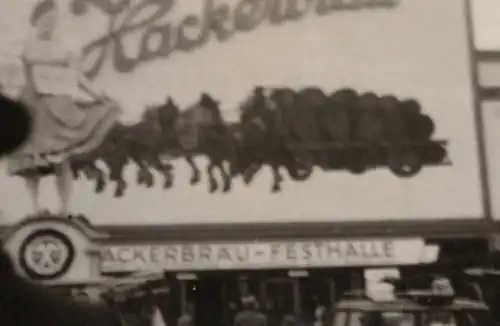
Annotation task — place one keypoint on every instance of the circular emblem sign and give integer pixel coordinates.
(46, 254)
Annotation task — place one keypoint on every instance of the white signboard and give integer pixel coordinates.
(377, 286)
(264, 255)
(373, 109)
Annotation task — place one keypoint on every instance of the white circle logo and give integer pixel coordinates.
(46, 254)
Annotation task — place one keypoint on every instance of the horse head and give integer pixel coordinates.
(168, 114)
(207, 111)
(246, 106)
(255, 105)
(283, 97)
(252, 121)
(259, 92)
(148, 128)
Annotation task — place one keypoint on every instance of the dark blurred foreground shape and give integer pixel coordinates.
(250, 314)
(23, 303)
(15, 125)
(26, 304)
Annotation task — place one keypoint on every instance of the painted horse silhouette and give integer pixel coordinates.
(278, 127)
(164, 133)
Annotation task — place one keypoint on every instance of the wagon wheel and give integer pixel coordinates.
(405, 162)
(303, 170)
(358, 161)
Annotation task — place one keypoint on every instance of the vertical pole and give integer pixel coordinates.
(331, 291)
(183, 294)
(478, 113)
(297, 304)
(262, 292)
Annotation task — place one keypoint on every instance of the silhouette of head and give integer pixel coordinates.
(170, 101)
(258, 91)
(44, 19)
(207, 101)
(167, 113)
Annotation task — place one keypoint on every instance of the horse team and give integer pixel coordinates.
(278, 127)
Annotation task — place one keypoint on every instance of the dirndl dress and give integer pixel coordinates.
(62, 128)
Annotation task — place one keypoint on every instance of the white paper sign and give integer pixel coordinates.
(55, 80)
(12, 76)
(376, 287)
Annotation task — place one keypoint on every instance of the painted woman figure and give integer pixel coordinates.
(62, 129)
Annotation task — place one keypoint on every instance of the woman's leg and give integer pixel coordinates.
(64, 183)
(33, 185)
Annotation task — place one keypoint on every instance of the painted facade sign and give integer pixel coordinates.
(46, 254)
(54, 251)
(208, 111)
(299, 254)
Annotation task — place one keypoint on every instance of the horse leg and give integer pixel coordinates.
(116, 166)
(212, 182)
(93, 172)
(147, 176)
(169, 178)
(166, 169)
(195, 176)
(163, 168)
(144, 176)
(121, 185)
(250, 172)
(226, 177)
(277, 178)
